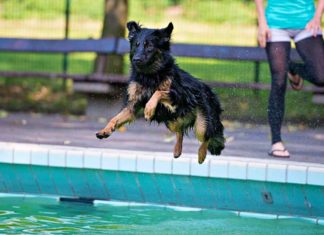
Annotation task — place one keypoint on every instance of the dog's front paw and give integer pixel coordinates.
(149, 110)
(106, 132)
(102, 134)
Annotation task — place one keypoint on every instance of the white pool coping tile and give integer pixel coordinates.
(199, 169)
(237, 170)
(92, 159)
(127, 162)
(39, 157)
(256, 171)
(297, 174)
(110, 161)
(74, 159)
(145, 163)
(277, 173)
(315, 176)
(6, 154)
(181, 166)
(22, 155)
(218, 168)
(162, 163)
(57, 158)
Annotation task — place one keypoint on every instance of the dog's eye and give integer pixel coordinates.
(148, 46)
(137, 44)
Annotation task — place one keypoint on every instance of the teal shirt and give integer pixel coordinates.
(289, 14)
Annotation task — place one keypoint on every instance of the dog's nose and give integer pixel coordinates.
(137, 59)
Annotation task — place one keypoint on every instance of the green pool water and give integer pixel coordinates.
(43, 215)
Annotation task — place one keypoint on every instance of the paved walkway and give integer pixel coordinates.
(243, 140)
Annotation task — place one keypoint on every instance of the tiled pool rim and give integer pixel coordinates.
(114, 160)
(163, 163)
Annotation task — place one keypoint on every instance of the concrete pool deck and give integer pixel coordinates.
(244, 140)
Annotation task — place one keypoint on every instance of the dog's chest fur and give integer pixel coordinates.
(140, 90)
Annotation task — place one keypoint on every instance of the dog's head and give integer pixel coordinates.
(147, 45)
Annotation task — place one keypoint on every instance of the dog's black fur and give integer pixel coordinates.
(183, 102)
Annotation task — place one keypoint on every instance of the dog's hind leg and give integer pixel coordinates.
(202, 152)
(178, 146)
(200, 131)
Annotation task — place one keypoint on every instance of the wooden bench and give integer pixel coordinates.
(120, 46)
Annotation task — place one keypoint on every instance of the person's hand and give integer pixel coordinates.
(314, 25)
(264, 34)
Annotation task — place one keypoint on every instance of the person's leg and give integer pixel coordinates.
(278, 57)
(311, 50)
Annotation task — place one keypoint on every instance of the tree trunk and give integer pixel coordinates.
(114, 25)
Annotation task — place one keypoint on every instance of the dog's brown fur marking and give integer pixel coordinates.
(179, 123)
(200, 126)
(174, 126)
(165, 86)
(202, 152)
(134, 91)
(127, 115)
(200, 130)
(160, 95)
(178, 146)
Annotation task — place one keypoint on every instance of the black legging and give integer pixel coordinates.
(311, 51)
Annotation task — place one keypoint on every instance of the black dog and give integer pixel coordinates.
(168, 94)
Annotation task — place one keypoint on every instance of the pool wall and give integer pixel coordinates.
(239, 184)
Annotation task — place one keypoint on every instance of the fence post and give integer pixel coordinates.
(66, 36)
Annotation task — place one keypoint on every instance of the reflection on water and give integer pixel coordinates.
(39, 215)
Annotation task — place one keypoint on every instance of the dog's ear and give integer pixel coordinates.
(133, 28)
(166, 32)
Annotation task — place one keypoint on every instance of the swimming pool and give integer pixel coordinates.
(245, 186)
(35, 215)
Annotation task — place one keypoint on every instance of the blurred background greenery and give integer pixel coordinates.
(218, 22)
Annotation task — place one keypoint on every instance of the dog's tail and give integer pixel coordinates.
(216, 144)
(216, 131)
